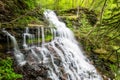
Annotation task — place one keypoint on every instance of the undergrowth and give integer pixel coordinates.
(7, 71)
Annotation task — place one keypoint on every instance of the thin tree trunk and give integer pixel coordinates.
(91, 5)
(102, 11)
(77, 3)
(82, 2)
(72, 3)
(56, 4)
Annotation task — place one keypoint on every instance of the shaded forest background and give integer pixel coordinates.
(95, 23)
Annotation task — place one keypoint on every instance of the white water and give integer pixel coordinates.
(17, 53)
(38, 36)
(62, 56)
(30, 37)
(43, 36)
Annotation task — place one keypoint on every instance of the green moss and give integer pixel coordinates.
(100, 51)
(48, 38)
(24, 21)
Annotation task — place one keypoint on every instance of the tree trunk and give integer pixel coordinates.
(102, 11)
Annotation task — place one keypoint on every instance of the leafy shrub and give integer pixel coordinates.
(6, 70)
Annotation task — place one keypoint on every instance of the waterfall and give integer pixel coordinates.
(18, 55)
(62, 56)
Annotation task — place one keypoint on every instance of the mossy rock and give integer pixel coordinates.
(104, 54)
(111, 59)
(100, 51)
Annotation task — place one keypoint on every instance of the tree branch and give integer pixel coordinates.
(21, 16)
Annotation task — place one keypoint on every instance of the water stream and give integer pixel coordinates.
(62, 56)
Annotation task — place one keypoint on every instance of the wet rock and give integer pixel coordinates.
(34, 72)
(57, 61)
(100, 51)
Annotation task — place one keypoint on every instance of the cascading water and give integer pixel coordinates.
(62, 58)
(18, 55)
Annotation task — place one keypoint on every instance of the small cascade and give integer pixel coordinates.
(17, 53)
(43, 36)
(25, 35)
(8, 43)
(59, 59)
(38, 36)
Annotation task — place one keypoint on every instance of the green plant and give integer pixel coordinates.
(116, 71)
(6, 70)
(47, 38)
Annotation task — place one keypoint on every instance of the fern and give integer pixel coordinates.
(6, 70)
